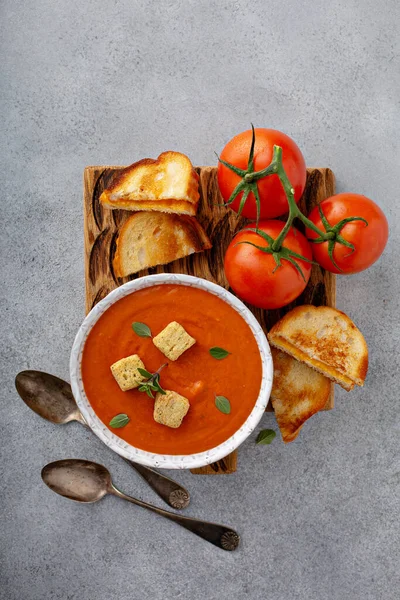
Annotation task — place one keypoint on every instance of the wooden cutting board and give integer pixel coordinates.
(101, 229)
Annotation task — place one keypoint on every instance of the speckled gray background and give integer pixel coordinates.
(110, 82)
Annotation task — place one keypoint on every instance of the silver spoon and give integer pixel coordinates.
(86, 481)
(51, 398)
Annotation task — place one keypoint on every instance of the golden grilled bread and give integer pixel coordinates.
(148, 239)
(169, 184)
(298, 392)
(325, 339)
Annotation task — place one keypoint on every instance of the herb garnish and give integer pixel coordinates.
(141, 329)
(265, 436)
(152, 382)
(219, 353)
(223, 404)
(119, 421)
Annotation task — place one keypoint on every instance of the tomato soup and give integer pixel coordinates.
(196, 374)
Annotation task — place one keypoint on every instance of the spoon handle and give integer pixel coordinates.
(169, 490)
(219, 535)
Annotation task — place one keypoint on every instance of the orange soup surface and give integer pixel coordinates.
(196, 374)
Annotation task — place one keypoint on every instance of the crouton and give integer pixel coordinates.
(173, 341)
(170, 408)
(126, 372)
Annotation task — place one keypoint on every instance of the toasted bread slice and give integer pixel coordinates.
(325, 339)
(298, 392)
(148, 239)
(169, 184)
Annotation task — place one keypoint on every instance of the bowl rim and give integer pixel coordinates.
(170, 461)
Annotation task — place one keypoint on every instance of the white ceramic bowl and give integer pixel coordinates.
(168, 461)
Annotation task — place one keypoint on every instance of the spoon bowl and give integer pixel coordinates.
(79, 480)
(48, 396)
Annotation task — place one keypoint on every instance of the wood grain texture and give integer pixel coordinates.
(101, 229)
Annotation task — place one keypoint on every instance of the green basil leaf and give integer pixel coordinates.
(219, 353)
(145, 373)
(160, 389)
(265, 436)
(141, 329)
(223, 404)
(149, 393)
(156, 384)
(119, 421)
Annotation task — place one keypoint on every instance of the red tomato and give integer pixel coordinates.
(369, 241)
(272, 196)
(252, 273)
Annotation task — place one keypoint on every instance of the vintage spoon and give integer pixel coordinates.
(51, 398)
(86, 481)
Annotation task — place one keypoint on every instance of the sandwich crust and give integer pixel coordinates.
(167, 184)
(327, 340)
(298, 392)
(148, 239)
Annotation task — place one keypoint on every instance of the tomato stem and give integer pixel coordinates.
(294, 211)
(248, 183)
(282, 253)
(330, 235)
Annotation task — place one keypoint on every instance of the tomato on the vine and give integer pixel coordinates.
(367, 233)
(272, 197)
(254, 274)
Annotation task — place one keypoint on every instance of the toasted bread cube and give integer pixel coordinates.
(173, 341)
(170, 408)
(126, 372)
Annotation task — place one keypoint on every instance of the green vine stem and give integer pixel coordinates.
(334, 234)
(248, 184)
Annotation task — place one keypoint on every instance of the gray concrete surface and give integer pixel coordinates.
(110, 82)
